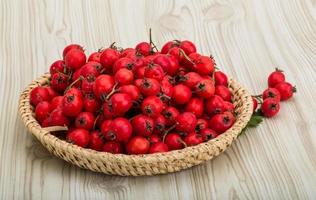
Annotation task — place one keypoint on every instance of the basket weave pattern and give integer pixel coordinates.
(137, 165)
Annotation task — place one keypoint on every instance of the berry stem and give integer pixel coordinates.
(177, 42)
(112, 92)
(102, 71)
(183, 143)
(165, 96)
(130, 119)
(70, 76)
(60, 73)
(151, 41)
(103, 97)
(186, 57)
(95, 121)
(112, 46)
(167, 131)
(150, 37)
(213, 77)
(213, 59)
(73, 83)
(258, 97)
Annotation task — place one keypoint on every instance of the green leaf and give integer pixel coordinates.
(254, 121)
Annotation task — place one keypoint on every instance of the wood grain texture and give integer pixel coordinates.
(248, 39)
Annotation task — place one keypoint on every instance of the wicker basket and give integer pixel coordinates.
(137, 165)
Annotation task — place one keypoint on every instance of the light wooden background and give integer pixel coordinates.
(248, 39)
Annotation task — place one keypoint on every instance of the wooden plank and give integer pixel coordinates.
(248, 39)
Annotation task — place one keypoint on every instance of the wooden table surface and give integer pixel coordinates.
(248, 38)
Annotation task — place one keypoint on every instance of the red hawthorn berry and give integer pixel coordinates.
(201, 124)
(190, 79)
(166, 89)
(208, 134)
(255, 103)
(205, 88)
(186, 122)
(131, 90)
(166, 47)
(187, 46)
(174, 141)
(220, 78)
(120, 103)
(52, 93)
(170, 114)
(108, 57)
(159, 124)
(72, 103)
(286, 90)
(90, 103)
(154, 71)
(71, 47)
(223, 92)
(142, 125)
(275, 78)
(76, 78)
(167, 63)
(143, 48)
(152, 106)
(176, 52)
(95, 57)
(42, 111)
(56, 102)
(91, 69)
(85, 120)
(228, 106)
(154, 139)
(158, 147)
(57, 66)
(124, 77)
(181, 94)
(271, 93)
(79, 137)
(57, 118)
(221, 122)
(112, 147)
(128, 51)
(96, 140)
(75, 59)
(149, 87)
(124, 63)
(59, 82)
(270, 107)
(103, 86)
(119, 130)
(138, 145)
(196, 106)
(205, 66)
(192, 139)
(39, 94)
(215, 105)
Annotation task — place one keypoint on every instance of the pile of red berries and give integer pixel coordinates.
(278, 90)
(136, 100)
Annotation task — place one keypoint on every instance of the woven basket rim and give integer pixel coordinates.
(56, 144)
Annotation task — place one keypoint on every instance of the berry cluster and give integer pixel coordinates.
(278, 90)
(136, 100)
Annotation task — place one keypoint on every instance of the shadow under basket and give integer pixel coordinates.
(137, 165)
